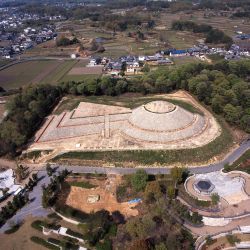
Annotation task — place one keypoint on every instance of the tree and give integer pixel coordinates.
(30, 183)
(21, 172)
(153, 191)
(209, 240)
(139, 245)
(146, 68)
(215, 198)
(176, 174)
(49, 169)
(232, 114)
(232, 239)
(34, 177)
(139, 180)
(171, 192)
(161, 246)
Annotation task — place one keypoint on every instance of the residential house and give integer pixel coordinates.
(132, 67)
(179, 52)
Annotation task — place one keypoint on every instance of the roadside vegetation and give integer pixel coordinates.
(242, 164)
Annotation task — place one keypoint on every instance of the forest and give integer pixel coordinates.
(26, 112)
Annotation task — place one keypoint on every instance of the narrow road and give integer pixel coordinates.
(35, 208)
(245, 145)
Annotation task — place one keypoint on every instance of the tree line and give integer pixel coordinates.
(212, 35)
(26, 111)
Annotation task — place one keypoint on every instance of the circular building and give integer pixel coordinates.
(163, 122)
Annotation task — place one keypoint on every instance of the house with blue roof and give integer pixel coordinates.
(178, 52)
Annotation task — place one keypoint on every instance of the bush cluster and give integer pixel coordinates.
(212, 35)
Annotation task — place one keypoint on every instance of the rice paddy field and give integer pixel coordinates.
(40, 71)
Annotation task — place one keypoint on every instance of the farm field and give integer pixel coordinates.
(78, 78)
(4, 62)
(59, 72)
(225, 23)
(22, 73)
(40, 71)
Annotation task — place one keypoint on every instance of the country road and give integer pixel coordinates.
(35, 208)
(233, 156)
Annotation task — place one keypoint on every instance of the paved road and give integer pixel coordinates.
(164, 170)
(35, 208)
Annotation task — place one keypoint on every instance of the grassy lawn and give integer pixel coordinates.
(242, 164)
(82, 184)
(77, 78)
(184, 59)
(215, 58)
(163, 157)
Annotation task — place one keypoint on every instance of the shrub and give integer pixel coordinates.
(74, 234)
(209, 240)
(232, 239)
(44, 243)
(82, 184)
(37, 224)
(121, 192)
(139, 180)
(54, 216)
(13, 229)
(215, 198)
(106, 245)
(54, 241)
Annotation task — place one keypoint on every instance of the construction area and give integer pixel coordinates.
(101, 196)
(155, 125)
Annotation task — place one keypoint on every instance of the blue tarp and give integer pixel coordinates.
(134, 201)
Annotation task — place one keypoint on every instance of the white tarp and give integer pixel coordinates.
(7, 180)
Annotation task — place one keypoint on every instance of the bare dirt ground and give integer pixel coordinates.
(20, 240)
(78, 196)
(95, 70)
